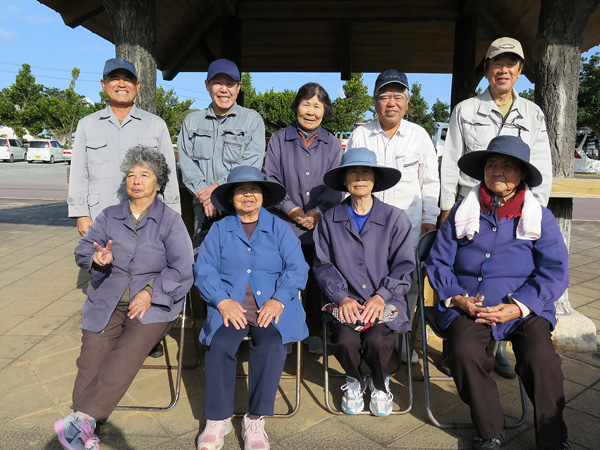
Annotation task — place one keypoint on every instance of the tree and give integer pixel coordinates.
(417, 109)
(588, 100)
(20, 104)
(528, 94)
(440, 111)
(171, 110)
(351, 108)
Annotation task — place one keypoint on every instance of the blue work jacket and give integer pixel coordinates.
(378, 260)
(271, 261)
(495, 264)
(158, 250)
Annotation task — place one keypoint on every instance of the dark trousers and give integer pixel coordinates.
(374, 345)
(267, 357)
(109, 361)
(311, 295)
(538, 365)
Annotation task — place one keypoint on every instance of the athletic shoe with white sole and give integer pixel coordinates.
(213, 436)
(381, 401)
(352, 400)
(77, 433)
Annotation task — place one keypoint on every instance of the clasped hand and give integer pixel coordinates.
(488, 315)
(352, 311)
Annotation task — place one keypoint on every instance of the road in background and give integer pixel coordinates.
(41, 181)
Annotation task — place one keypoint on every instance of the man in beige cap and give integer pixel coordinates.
(476, 121)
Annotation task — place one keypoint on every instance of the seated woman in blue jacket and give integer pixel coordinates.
(498, 265)
(249, 271)
(363, 264)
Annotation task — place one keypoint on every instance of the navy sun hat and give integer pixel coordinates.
(390, 76)
(119, 63)
(385, 177)
(223, 66)
(273, 193)
(473, 163)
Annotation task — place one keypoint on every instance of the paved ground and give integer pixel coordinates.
(41, 295)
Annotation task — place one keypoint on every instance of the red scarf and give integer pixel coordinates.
(509, 210)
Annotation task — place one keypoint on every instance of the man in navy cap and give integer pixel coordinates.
(101, 141)
(103, 138)
(215, 140)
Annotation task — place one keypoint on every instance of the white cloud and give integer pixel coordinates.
(14, 9)
(7, 35)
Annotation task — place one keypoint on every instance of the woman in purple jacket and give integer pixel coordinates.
(498, 265)
(364, 262)
(297, 157)
(140, 257)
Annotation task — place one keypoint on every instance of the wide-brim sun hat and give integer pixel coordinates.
(385, 177)
(273, 192)
(473, 163)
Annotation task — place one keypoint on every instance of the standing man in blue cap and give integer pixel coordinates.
(215, 140)
(101, 141)
(103, 138)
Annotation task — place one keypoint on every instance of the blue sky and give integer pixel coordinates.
(35, 34)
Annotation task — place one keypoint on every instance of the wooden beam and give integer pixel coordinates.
(81, 12)
(193, 41)
(346, 50)
(575, 188)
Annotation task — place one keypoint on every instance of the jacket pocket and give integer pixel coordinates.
(477, 135)
(233, 145)
(202, 143)
(97, 150)
(150, 142)
(409, 167)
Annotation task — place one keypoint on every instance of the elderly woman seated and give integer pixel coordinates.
(498, 265)
(250, 269)
(140, 257)
(364, 261)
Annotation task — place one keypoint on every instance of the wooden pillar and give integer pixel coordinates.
(557, 54)
(465, 43)
(134, 26)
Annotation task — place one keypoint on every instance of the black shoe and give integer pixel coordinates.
(479, 442)
(502, 366)
(157, 351)
(563, 446)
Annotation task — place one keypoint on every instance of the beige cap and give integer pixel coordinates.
(504, 45)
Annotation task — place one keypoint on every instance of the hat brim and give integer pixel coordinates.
(385, 177)
(378, 88)
(273, 194)
(473, 164)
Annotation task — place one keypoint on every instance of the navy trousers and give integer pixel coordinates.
(266, 361)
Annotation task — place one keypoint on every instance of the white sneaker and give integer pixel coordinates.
(213, 436)
(352, 400)
(315, 345)
(414, 359)
(255, 436)
(381, 402)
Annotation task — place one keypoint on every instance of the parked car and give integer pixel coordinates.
(587, 152)
(440, 130)
(67, 155)
(47, 150)
(12, 149)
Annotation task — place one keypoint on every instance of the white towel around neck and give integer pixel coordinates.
(466, 221)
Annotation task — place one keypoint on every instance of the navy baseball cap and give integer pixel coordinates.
(390, 76)
(119, 63)
(223, 66)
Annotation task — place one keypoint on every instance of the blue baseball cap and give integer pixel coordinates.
(390, 76)
(119, 63)
(223, 66)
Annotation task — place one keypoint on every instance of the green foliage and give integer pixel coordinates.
(528, 94)
(352, 107)
(440, 111)
(588, 101)
(417, 109)
(275, 107)
(171, 110)
(21, 104)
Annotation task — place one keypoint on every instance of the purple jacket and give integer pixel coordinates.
(495, 264)
(379, 260)
(158, 249)
(301, 171)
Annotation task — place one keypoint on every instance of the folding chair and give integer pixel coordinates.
(405, 342)
(183, 317)
(425, 317)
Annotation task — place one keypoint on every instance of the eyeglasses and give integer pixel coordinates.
(384, 98)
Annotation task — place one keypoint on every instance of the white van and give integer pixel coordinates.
(587, 152)
(11, 149)
(440, 130)
(47, 150)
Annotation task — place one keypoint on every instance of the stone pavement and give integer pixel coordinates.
(41, 295)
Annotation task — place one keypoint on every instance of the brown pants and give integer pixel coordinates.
(109, 361)
(538, 365)
(374, 345)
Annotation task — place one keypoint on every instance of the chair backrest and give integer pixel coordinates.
(424, 246)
